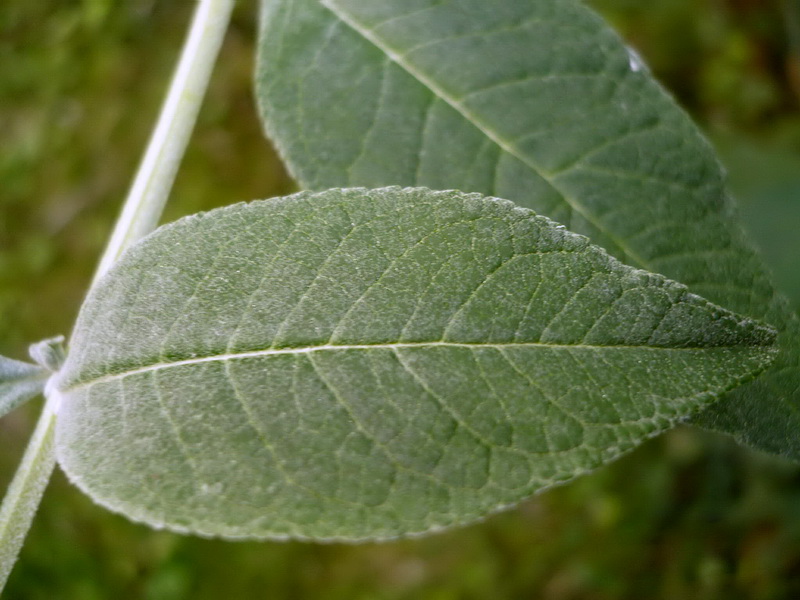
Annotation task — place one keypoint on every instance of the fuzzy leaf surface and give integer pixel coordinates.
(363, 364)
(538, 102)
(19, 382)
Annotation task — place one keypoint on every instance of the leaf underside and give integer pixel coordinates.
(19, 382)
(538, 102)
(365, 364)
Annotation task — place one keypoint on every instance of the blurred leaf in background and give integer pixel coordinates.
(688, 515)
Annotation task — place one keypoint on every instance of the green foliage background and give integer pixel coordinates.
(688, 515)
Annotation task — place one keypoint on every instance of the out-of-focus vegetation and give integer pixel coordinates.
(689, 515)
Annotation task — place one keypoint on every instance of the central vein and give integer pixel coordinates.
(271, 352)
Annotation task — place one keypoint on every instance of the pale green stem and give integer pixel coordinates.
(140, 215)
(25, 492)
(150, 189)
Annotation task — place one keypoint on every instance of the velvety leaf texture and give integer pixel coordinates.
(538, 102)
(364, 364)
(19, 382)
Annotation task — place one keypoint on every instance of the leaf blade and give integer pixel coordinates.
(540, 103)
(303, 367)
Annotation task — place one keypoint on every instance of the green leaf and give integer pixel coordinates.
(538, 102)
(364, 364)
(19, 382)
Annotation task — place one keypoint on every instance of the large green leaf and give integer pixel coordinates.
(538, 102)
(19, 382)
(364, 364)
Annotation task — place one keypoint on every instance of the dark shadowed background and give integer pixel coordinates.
(687, 516)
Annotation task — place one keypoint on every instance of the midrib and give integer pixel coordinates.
(270, 352)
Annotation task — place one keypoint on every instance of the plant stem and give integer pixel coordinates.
(150, 189)
(25, 492)
(140, 215)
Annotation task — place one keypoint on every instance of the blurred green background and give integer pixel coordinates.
(688, 515)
